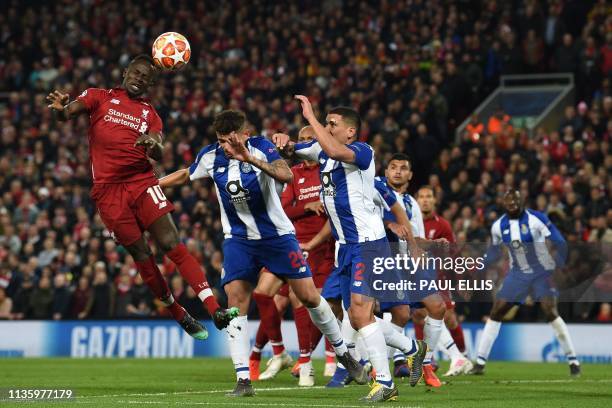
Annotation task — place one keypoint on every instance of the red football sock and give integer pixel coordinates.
(261, 339)
(192, 272)
(302, 324)
(315, 336)
(153, 278)
(270, 320)
(418, 331)
(457, 334)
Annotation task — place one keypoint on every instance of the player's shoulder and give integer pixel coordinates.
(361, 145)
(496, 226)
(262, 143)
(443, 222)
(95, 92)
(536, 216)
(208, 149)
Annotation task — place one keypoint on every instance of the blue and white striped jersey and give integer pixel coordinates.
(384, 197)
(348, 192)
(525, 239)
(249, 198)
(413, 211)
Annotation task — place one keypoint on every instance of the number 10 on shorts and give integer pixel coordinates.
(158, 196)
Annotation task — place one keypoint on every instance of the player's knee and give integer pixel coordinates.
(450, 319)
(336, 307)
(167, 243)
(400, 316)
(419, 315)
(437, 310)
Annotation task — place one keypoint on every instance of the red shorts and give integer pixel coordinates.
(321, 262)
(127, 209)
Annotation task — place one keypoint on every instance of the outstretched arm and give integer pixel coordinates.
(334, 149)
(278, 169)
(177, 178)
(58, 102)
(318, 239)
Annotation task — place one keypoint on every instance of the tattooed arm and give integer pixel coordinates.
(278, 169)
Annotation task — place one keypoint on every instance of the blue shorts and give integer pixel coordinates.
(244, 258)
(353, 273)
(518, 284)
(331, 287)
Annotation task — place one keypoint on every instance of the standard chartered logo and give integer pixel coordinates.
(126, 119)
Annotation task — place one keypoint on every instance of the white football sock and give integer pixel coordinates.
(350, 336)
(323, 317)
(238, 340)
(447, 345)
(398, 355)
(431, 334)
(489, 334)
(396, 340)
(564, 338)
(374, 341)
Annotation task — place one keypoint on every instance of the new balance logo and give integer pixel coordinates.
(301, 180)
(115, 101)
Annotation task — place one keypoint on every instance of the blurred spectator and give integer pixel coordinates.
(6, 305)
(413, 69)
(61, 297)
(605, 313)
(41, 300)
(101, 303)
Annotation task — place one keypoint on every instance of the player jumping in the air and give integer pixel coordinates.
(249, 175)
(347, 174)
(524, 233)
(124, 132)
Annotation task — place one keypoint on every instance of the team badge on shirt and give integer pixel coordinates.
(524, 229)
(246, 167)
(329, 188)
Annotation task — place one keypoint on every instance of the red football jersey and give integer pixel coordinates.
(116, 121)
(437, 227)
(305, 188)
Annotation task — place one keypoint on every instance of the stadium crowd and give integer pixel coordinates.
(414, 69)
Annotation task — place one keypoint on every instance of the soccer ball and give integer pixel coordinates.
(171, 51)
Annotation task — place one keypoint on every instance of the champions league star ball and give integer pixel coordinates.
(171, 51)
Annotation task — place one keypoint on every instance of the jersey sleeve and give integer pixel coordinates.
(549, 231)
(155, 125)
(494, 252)
(388, 198)
(91, 98)
(204, 163)
(266, 147)
(363, 154)
(308, 151)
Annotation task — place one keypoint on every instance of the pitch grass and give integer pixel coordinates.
(203, 382)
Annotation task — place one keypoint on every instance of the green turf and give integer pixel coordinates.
(203, 382)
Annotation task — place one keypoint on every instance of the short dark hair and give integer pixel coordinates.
(427, 187)
(349, 115)
(143, 58)
(400, 157)
(229, 121)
